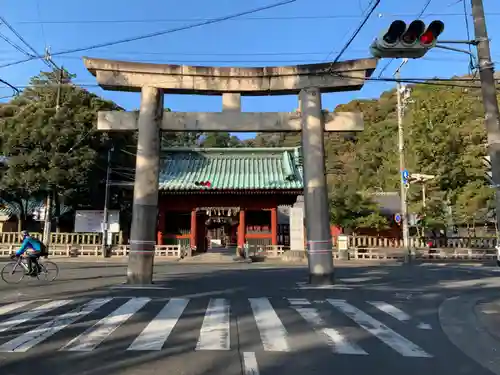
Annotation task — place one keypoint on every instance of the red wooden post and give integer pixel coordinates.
(161, 226)
(274, 226)
(192, 238)
(241, 230)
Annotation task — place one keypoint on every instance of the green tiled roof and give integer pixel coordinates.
(231, 168)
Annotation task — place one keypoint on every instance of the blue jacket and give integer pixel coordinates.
(29, 243)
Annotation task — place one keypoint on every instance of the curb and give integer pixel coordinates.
(468, 332)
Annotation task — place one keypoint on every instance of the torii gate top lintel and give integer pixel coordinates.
(249, 81)
(154, 80)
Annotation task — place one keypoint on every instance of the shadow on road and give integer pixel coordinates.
(403, 284)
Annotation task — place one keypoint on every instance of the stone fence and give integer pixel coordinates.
(358, 247)
(14, 238)
(367, 242)
(69, 250)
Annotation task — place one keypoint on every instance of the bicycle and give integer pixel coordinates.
(20, 268)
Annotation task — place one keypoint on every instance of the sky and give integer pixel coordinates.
(306, 31)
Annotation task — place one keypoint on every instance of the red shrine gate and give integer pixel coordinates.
(238, 205)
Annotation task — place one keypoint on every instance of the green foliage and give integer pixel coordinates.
(54, 151)
(472, 203)
(350, 209)
(61, 152)
(444, 136)
(220, 139)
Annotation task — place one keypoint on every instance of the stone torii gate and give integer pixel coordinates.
(155, 80)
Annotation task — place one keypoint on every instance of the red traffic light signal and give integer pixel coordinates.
(203, 183)
(407, 41)
(431, 34)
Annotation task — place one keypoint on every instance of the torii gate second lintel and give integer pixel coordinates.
(154, 80)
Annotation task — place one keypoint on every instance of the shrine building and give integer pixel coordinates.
(226, 196)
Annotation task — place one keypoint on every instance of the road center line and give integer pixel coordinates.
(250, 366)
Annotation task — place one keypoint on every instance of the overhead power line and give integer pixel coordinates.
(275, 18)
(289, 60)
(163, 32)
(15, 45)
(356, 32)
(48, 62)
(14, 88)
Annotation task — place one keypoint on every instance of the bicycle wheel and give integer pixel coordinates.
(12, 273)
(49, 272)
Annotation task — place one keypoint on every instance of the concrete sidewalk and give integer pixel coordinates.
(268, 262)
(488, 314)
(473, 325)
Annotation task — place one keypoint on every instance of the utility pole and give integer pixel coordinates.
(105, 223)
(48, 202)
(403, 182)
(491, 112)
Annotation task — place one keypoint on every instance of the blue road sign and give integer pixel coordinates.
(405, 175)
(397, 218)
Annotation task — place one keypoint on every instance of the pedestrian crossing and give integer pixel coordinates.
(152, 323)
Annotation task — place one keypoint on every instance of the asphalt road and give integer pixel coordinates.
(236, 319)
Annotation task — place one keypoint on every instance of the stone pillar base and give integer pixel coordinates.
(409, 258)
(325, 279)
(344, 255)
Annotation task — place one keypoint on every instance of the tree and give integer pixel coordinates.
(472, 205)
(220, 139)
(351, 210)
(54, 152)
(444, 136)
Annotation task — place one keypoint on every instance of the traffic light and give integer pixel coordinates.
(203, 183)
(407, 41)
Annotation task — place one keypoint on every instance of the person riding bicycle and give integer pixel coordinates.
(34, 249)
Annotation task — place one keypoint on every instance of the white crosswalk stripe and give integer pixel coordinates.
(214, 333)
(156, 333)
(334, 338)
(96, 334)
(403, 346)
(158, 322)
(391, 310)
(272, 331)
(29, 339)
(32, 314)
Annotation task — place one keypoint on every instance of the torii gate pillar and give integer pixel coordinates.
(153, 80)
(318, 234)
(145, 208)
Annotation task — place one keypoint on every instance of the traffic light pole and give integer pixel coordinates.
(492, 115)
(105, 226)
(404, 203)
